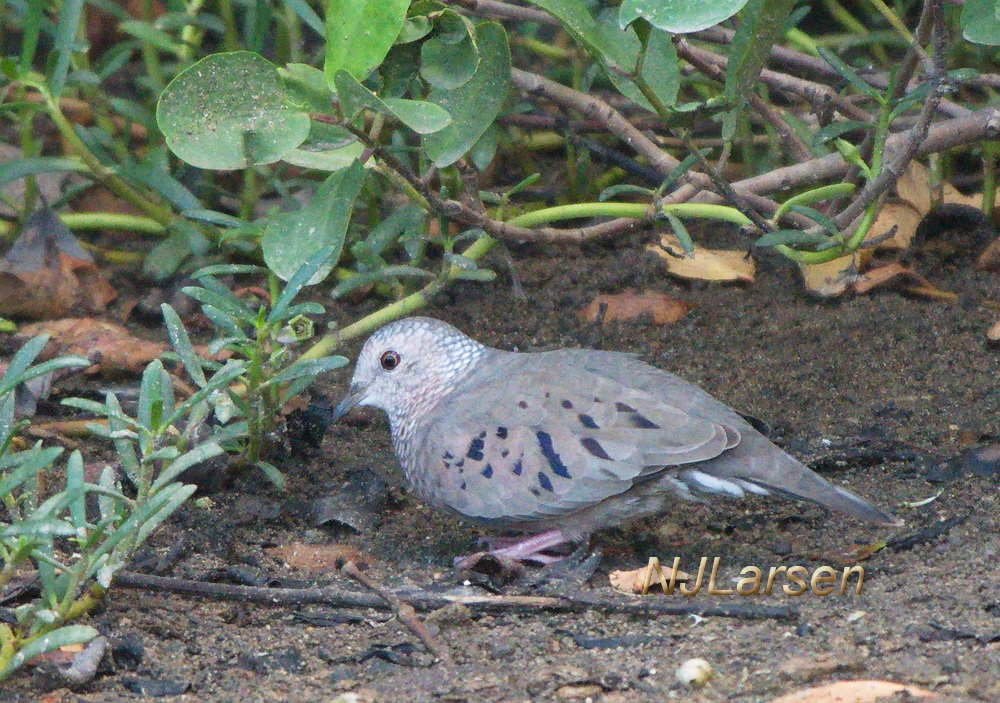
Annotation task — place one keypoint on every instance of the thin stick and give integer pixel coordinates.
(423, 601)
(404, 611)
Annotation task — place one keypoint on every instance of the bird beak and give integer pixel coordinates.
(355, 394)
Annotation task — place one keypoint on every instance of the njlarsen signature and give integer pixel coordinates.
(821, 582)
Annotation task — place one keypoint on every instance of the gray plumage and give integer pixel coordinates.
(574, 440)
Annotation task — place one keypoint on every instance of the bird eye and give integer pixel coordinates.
(389, 360)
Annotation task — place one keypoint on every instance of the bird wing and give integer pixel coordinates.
(540, 436)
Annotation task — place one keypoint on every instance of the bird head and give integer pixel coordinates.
(408, 365)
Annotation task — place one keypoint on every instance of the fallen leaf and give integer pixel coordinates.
(633, 581)
(110, 347)
(876, 277)
(993, 334)
(902, 215)
(663, 309)
(832, 278)
(46, 273)
(318, 557)
(853, 692)
(989, 260)
(705, 264)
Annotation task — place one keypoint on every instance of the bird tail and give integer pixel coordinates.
(774, 470)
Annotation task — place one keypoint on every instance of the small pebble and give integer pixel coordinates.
(694, 673)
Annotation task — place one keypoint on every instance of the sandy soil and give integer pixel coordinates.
(904, 384)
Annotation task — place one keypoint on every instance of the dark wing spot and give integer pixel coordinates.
(567, 404)
(504, 453)
(518, 468)
(588, 421)
(482, 435)
(475, 451)
(460, 463)
(522, 404)
(462, 486)
(642, 422)
(488, 471)
(595, 448)
(535, 491)
(502, 432)
(448, 455)
(544, 481)
(547, 394)
(555, 461)
(446, 464)
(624, 408)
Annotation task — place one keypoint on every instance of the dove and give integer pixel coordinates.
(556, 445)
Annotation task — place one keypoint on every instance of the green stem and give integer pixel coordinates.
(191, 34)
(150, 56)
(98, 221)
(231, 38)
(991, 150)
(101, 172)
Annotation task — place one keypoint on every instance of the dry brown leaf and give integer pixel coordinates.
(901, 215)
(318, 557)
(994, 332)
(663, 309)
(876, 277)
(989, 260)
(706, 264)
(914, 190)
(46, 274)
(632, 581)
(110, 347)
(853, 692)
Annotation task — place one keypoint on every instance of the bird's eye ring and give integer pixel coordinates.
(389, 360)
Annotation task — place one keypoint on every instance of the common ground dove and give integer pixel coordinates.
(562, 443)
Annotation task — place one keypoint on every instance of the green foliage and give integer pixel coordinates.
(981, 21)
(229, 111)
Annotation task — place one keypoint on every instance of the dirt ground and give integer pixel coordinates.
(878, 392)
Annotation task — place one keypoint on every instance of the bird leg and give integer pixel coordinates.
(530, 549)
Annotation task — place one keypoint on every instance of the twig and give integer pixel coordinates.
(404, 611)
(726, 189)
(505, 11)
(797, 148)
(804, 64)
(474, 218)
(423, 601)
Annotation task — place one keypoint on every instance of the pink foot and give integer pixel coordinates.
(529, 549)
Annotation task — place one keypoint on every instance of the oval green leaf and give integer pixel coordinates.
(229, 111)
(679, 16)
(359, 33)
(475, 105)
(980, 21)
(291, 238)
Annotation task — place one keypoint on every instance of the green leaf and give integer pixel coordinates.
(150, 412)
(301, 279)
(327, 148)
(760, 23)
(310, 368)
(382, 274)
(980, 21)
(203, 452)
(272, 474)
(848, 74)
(679, 16)
(682, 234)
(660, 68)
(790, 236)
(64, 44)
(836, 129)
(475, 105)
(229, 111)
(64, 636)
(182, 345)
(815, 195)
(307, 88)
(422, 117)
(359, 33)
(290, 239)
(852, 156)
(19, 168)
(448, 65)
